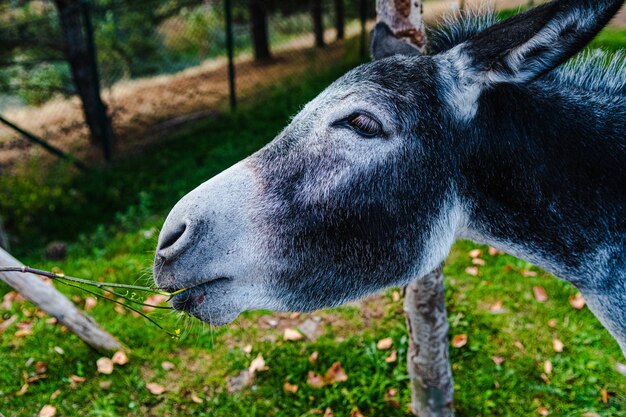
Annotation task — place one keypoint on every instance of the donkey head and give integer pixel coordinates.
(360, 191)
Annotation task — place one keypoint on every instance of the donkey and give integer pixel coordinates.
(488, 138)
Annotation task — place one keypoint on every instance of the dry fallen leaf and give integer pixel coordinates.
(105, 384)
(257, 365)
(527, 273)
(41, 367)
(475, 253)
(90, 303)
(496, 308)
(195, 398)
(315, 380)
(240, 381)
(540, 294)
(105, 366)
(591, 414)
(493, 251)
(77, 379)
(479, 262)
(328, 413)
(558, 345)
(577, 301)
(543, 411)
(384, 344)
(22, 390)
(395, 296)
(459, 340)
(154, 300)
(292, 335)
(498, 360)
(335, 374)
(605, 396)
(356, 413)
(290, 388)
(55, 394)
(519, 346)
(47, 411)
(547, 367)
(167, 366)
(471, 270)
(552, 323)
(155, 388)
(119, 358)
(393, 356)
(313, 357)
(247, 348)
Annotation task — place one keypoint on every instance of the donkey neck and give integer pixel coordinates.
(544, 177)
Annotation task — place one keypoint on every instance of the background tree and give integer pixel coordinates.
(424, 303)
(340, 17)
(318, 22)
(259, 29)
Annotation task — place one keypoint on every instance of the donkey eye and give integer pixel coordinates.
(362, 124)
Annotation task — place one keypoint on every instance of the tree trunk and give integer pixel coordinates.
(424, 304)
(260, 34)
(318, 22)
(4, 240)
(80, 56)
(47, 298)
(340, 18)
(428, 363)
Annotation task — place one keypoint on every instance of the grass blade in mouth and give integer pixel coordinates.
(102, 286)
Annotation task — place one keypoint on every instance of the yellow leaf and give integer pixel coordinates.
(155, 388)
(540, 294)
(105, 366)
(47, 411)
(290, 388)
(257, 365)
(459, 340)
(393, 356)
(292, 335)
(384, 344)
(119, 358)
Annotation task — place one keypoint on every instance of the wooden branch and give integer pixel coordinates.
(50, 300)
(428, 362)
(429, 370)
(404, 18)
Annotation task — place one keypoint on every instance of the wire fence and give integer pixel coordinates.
(154, 63)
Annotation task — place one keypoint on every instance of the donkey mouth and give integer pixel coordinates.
(194, 296)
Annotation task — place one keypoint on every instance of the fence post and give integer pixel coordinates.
(228, 14)
(50, 148)
(91, 51)
(363, 18)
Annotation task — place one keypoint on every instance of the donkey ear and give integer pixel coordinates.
(530, 44)
(384, 44)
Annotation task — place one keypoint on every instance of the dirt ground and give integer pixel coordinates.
(142, 109)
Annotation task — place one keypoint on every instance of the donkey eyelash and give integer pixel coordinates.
(363, 124)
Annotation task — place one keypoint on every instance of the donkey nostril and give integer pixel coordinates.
(172, 236)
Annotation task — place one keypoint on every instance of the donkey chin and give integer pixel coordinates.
(488, 138)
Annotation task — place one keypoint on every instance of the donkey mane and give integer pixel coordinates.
(595, 71)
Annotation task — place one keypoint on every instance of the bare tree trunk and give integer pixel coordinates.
(47, 298)
(340, 19)
(428, 363)
(85, 75)
(4, 240)
(318, 22)
(424, 304)
(260, 35)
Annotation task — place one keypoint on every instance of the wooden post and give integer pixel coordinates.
(424, 303)
(50, 300)
(317, 11)
(230, 46)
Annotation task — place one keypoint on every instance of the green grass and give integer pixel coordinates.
(130, 201)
